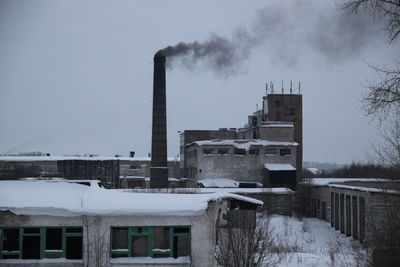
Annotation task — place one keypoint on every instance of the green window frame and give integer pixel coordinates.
(41, 232)
(149, 233)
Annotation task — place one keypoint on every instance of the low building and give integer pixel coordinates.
(53, 223)
(106, 169)
(356, 207)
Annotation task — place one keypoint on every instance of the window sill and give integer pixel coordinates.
(41, 261)
(149, 260)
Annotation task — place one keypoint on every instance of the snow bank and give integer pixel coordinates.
(69, 199)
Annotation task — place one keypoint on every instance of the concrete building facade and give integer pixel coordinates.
(241, 160)
(355, 207)
(109, 227)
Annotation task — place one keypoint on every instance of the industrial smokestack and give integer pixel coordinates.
(159, 167)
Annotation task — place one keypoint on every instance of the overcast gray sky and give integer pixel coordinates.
(76, 76)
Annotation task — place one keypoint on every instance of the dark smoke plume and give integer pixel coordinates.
(288, 32)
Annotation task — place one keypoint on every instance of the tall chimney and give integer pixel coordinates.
(159, 167)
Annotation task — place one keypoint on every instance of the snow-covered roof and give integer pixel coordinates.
(278, 125)
(279, 167)
(68, 199)
(55, 158)
(327, 181)
(364, 188)
(314, 170)
(273, 190)
(242, 143)
(219, 182)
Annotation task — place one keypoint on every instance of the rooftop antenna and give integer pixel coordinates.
(266, 89)
(282, 87)
(256, 107)
(291, 90)
(272, 87)
(299, 86)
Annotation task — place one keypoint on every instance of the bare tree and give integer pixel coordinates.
(243, 244)
(387, 11)
(383, 97)
(96, 246)
(388, 152)
(385, 226)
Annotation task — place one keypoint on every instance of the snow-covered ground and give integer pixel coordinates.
(312, 242)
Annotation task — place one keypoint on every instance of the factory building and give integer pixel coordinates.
(267, 150)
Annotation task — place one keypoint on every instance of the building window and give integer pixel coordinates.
(278, 117)
(134, 167)
(155, 241)
(41, 242)
(223, 151)
(285, 152)
(270, 152)
(292, 111)
(253, 151)
(240, 151)
(254, 121)
(208, 151)
(277, 103)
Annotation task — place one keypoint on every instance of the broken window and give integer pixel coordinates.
(153, 242)
(161, 242)
(31, 247)
(208, 151)
(253, 151)
(10, 243)
(239, 151)
(139, 246)
(74, 247)
(119, 241)
(223, 151)
(53, 242)
(120, 238)
(270, 152)
(41, 242)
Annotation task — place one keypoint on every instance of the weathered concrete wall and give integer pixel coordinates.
(375, 208)
(285, 134)
(247, 168)
(142, 168)
(203, 230)
(274, 203)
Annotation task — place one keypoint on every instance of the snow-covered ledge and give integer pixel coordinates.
(149, 260)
